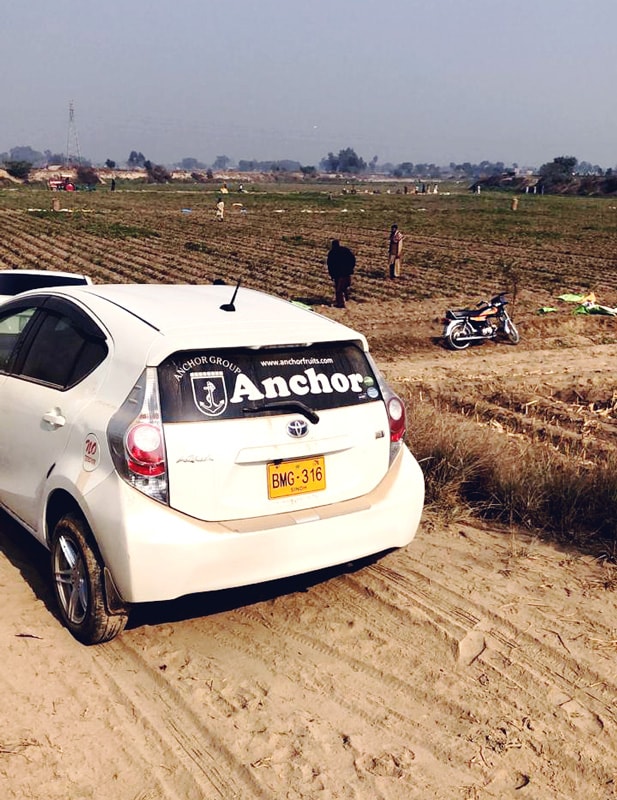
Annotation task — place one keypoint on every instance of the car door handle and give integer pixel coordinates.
(54, 418)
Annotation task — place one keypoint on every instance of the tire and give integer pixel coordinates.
(78, 580)
(453, 336)
(511, 331)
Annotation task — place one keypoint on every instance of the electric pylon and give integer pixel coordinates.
(73, 156)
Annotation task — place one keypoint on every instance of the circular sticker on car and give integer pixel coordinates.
(92, 453)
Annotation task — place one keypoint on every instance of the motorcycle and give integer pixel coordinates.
(489, 320)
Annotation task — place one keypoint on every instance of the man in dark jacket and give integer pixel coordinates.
(341, 264)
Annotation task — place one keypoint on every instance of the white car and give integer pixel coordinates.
(162, 440)
(14, 281)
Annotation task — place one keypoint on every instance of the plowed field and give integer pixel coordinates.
(479, 662)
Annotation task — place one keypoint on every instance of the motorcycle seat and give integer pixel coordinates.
(462, 313)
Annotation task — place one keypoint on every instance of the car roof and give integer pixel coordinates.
(53, 274)
(16, 281)
(46, 272)
(188, 314)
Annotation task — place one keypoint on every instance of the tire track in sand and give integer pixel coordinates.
(471, 646)
(186, 758)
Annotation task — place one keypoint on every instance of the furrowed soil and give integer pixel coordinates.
(478, 662)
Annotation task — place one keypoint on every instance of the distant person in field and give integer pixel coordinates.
(395, 252)
(341, 264)
(220, 209)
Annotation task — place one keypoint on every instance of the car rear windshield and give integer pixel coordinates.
(14, 284)
(228, 384)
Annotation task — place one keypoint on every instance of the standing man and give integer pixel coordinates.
(341, 264)
(395, 251)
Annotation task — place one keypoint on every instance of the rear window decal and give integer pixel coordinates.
(187, 365)
(220, 384)
(299, 384)
(281, 362)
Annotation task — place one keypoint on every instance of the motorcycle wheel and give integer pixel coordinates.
(511, 331)
(455, 337)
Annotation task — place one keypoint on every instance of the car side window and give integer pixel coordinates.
(61, 353)
(11, 327)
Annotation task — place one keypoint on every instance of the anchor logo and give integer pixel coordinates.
(210, 392)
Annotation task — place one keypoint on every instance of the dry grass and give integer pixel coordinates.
(476, 469)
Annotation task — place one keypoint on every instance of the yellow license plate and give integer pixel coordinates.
(287, 478)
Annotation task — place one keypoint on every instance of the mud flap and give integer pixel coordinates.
(114, 603)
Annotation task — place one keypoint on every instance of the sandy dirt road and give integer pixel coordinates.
(474, 663)
(477, 662)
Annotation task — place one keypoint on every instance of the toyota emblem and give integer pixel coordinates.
(297, 428)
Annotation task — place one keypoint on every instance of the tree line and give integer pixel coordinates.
(20, 160)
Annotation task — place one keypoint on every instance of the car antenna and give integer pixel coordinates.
(231, 306)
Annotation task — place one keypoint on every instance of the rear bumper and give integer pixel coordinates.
(155, 553)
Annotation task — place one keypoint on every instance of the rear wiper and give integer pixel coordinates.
(282, 406)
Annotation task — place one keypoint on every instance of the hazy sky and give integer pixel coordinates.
(406, 80)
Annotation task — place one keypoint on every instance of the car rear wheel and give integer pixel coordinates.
(79, 587)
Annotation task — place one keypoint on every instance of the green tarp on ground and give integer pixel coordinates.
(587, 304)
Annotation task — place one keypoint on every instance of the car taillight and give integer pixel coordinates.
(396, 418)
(144, 448)
(137, 441)
(395, 409)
